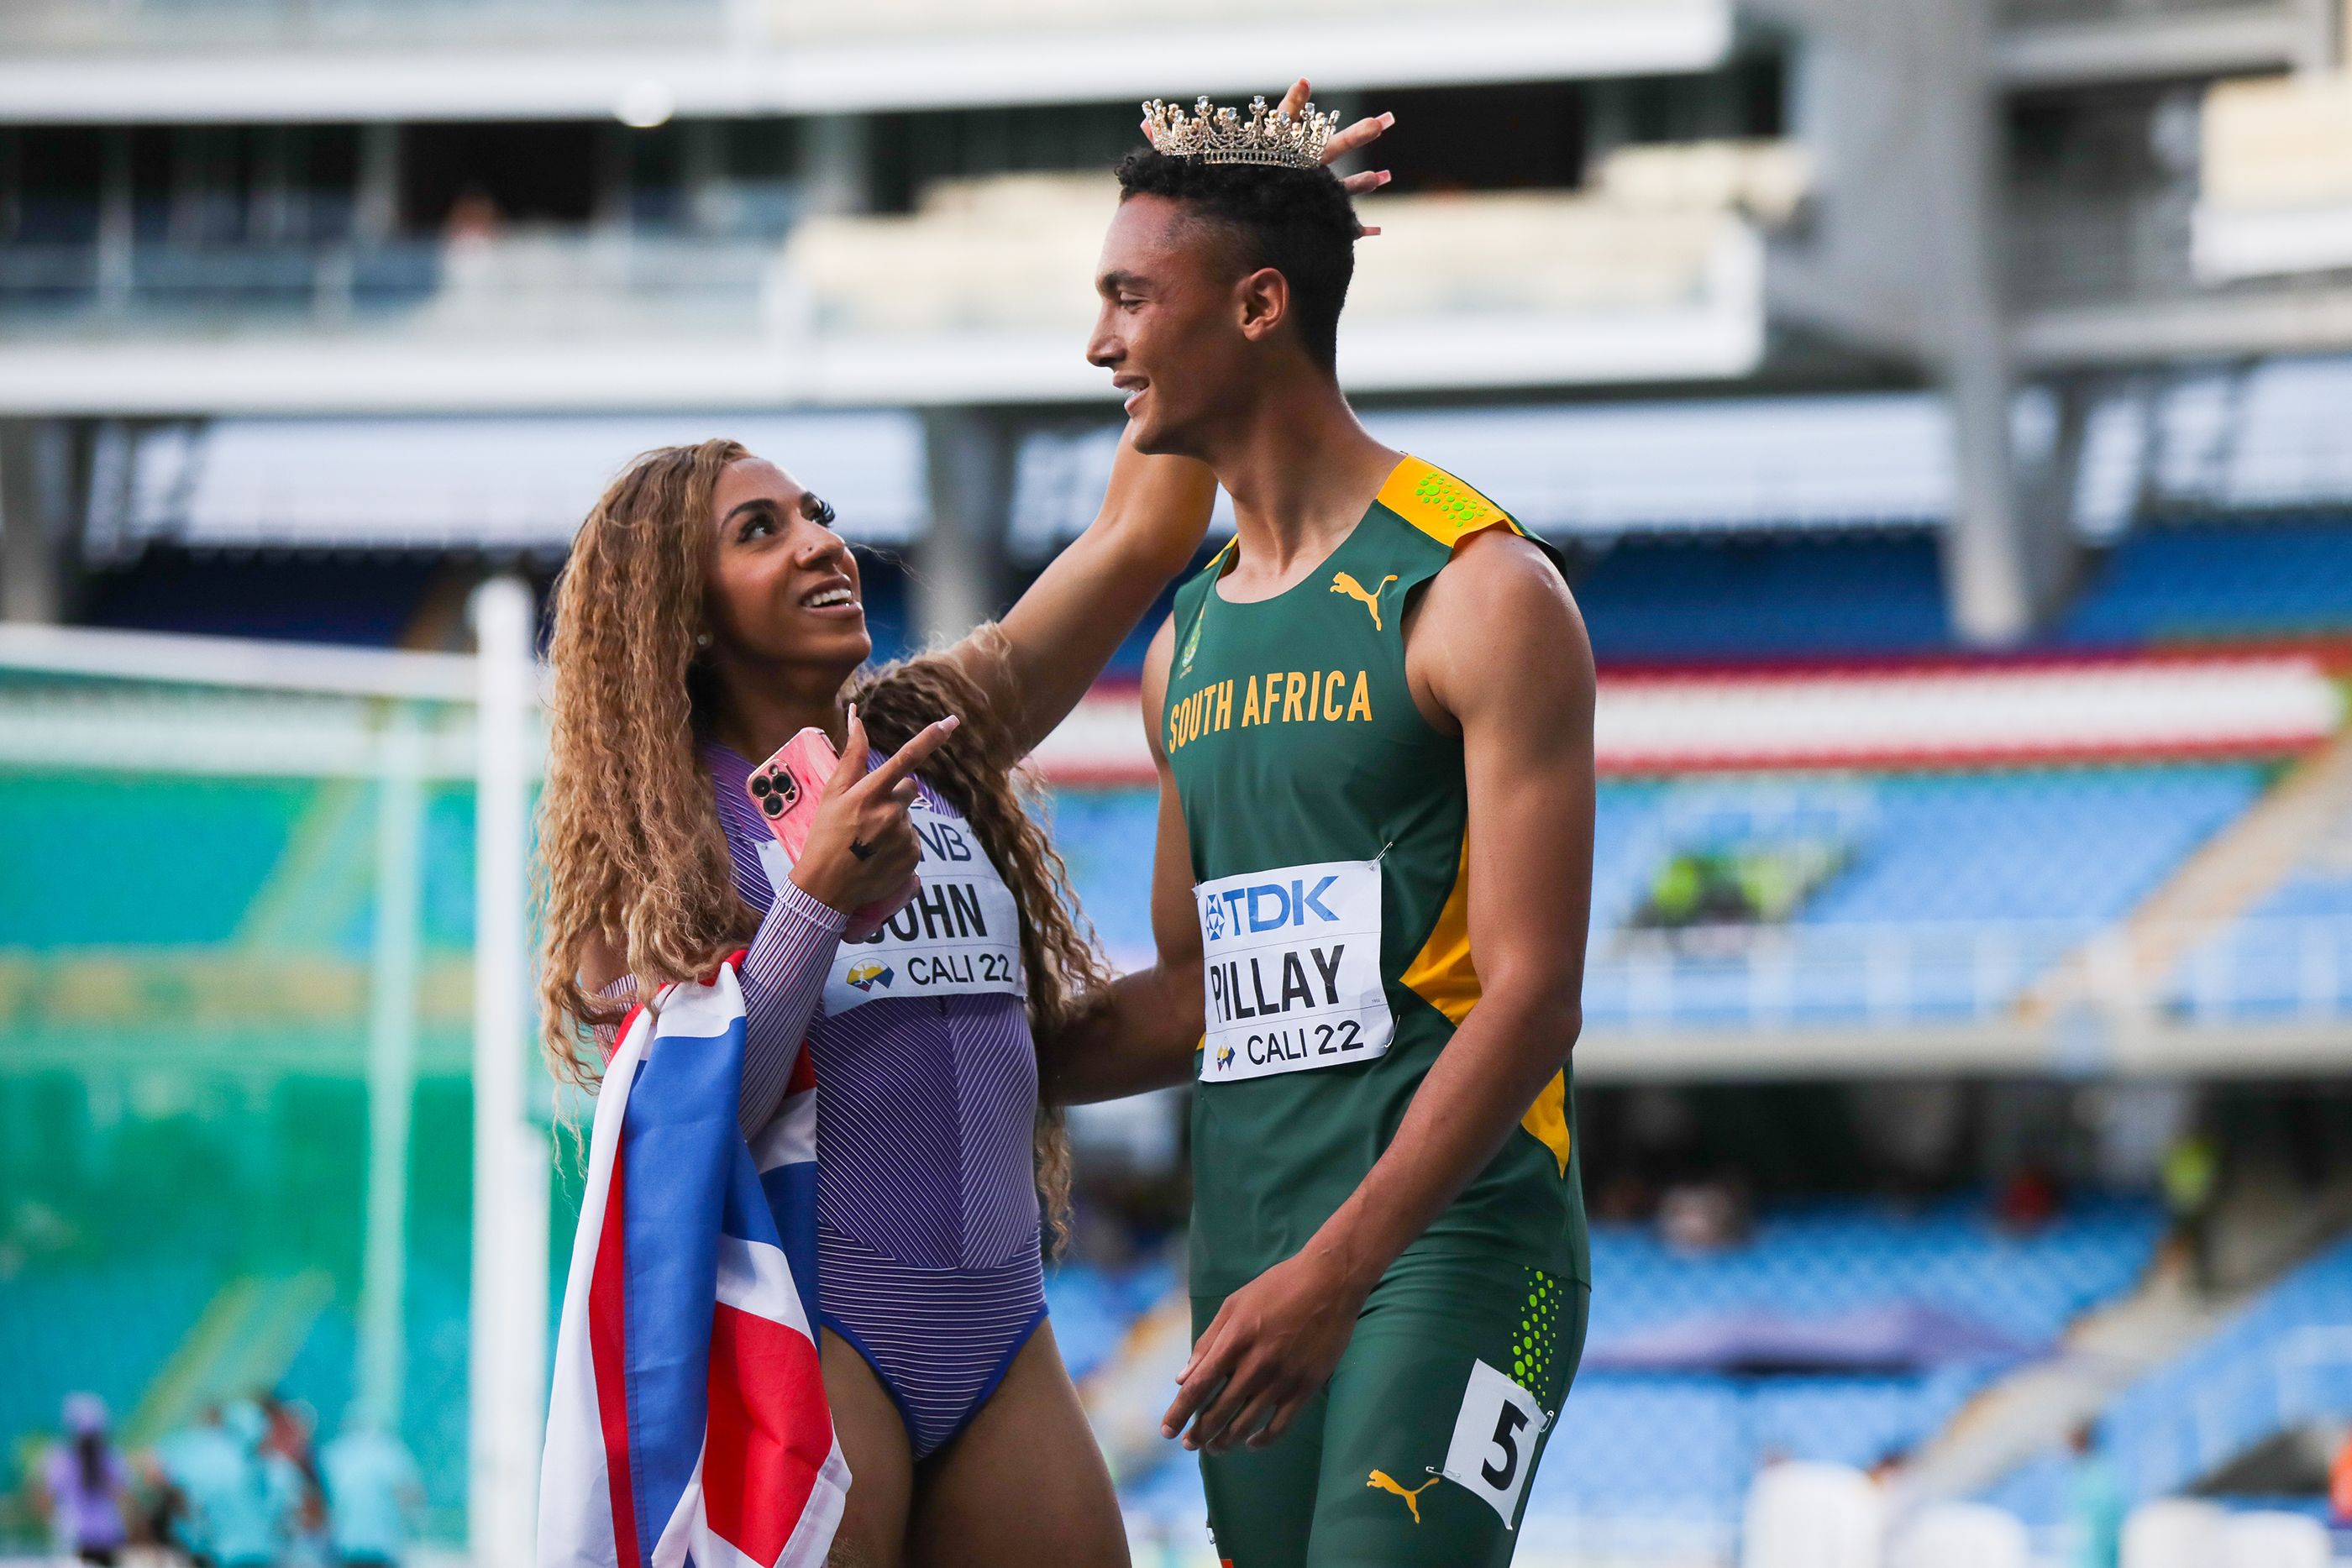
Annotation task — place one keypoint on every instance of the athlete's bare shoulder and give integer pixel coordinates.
(1497, 620)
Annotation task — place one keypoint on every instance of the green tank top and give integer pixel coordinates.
(1332, 887)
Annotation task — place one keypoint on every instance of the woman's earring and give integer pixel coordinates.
(702, 640)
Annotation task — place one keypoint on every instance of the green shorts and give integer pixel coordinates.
(1419, 1449)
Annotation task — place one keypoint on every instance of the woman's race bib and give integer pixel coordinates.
(959, 936)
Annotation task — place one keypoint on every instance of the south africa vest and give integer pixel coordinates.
(1326, 821)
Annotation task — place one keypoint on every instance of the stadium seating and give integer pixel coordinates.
(316, 600)
(49, 897)
(1716, 598)
(1650, 241)
(1709, 599)
(1684, 1446)
(1834, 1258)
(1961, 887)
(46, 1311)
(1093, 1308)
(1635, 1443)
(2291, 954)
(2281, 1360)
(2200, 581)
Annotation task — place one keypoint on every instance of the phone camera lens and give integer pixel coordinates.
(759, 785)
(774, 805)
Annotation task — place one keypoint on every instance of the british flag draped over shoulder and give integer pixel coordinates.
(688, 1423)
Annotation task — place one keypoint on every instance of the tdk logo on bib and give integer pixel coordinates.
(1269, 906)
(1292, 970)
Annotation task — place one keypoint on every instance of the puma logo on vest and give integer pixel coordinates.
(1382, 1479)
(1341, 582)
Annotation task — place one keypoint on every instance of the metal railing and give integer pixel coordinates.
(560, 280)
(2261, 969)
(2071, 246)
(1023, 271)
(141, 25)
(2304, 1378)
(2043, 12)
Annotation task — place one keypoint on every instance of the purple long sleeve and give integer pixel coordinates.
(783, 979)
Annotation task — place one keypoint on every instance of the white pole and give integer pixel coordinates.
(392, 1066)
(508, 1369)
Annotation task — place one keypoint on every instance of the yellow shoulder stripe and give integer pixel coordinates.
(1443, 974)
(1440, 505)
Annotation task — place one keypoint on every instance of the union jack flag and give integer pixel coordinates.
(688, 1424)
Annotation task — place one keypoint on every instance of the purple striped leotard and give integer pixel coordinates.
(927, 1201)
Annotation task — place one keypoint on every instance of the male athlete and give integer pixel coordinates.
(1372, 719)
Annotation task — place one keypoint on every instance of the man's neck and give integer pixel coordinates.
(1301, 470)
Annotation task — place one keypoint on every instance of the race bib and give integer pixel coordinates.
(1495, 1435)
(959, 936)
(1291, 970)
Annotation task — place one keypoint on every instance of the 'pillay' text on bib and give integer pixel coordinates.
(959, 936)
(1291, 969)
(1327, 821)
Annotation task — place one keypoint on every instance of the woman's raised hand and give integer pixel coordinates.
(1354, 139)
(861, 848)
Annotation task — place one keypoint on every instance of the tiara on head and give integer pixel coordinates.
(1221, 136)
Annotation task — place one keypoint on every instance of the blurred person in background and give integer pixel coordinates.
(202, 1464)
(373, 1492)
(2191, 1177)
(1373, 720)
(251, 1512)
(293, 1427)
(1802, 1513)
(2095, 1504)
(86, 1487)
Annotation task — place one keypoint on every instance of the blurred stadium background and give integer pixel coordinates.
(1948, 408)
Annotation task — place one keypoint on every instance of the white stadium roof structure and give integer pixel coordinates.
(502, 484)
(291, 60)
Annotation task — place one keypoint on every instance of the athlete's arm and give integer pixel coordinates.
(1497, 649)
(1139, 1034)
(1058, 635)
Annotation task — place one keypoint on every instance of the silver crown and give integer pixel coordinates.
(1220, 135)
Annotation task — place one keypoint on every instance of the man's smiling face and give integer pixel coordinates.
(1169, 330)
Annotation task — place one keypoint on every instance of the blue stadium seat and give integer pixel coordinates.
(2281, 1360)
(2200, 581)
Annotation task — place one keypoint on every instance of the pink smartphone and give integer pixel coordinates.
(787, 789)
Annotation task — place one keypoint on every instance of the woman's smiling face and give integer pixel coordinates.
(783, 587)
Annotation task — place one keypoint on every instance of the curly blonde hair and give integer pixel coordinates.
(631, 854)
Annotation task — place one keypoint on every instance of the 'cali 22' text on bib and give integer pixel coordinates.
(959, 935)
(1291, 970)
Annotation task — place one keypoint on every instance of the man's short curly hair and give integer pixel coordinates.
(1298, 222)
